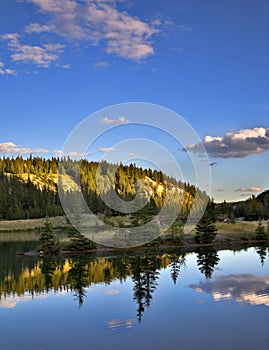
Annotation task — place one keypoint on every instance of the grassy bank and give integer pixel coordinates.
(239, 227)
(229, 236)
(58, 222)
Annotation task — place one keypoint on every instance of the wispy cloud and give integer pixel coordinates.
(249, 189)
(120, 120)
(6, 71)
(239, 144)
(100, 64)
(107, 149)
(101, 23)
(220, 190)
(12, 148)
(74, 154)
(38, 28)
(133, 154)
(41, 56)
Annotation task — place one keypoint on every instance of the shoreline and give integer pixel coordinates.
(229, 235)
(185, 247)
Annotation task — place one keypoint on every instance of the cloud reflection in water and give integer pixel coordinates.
(245, 288)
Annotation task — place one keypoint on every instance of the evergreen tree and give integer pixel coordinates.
(205, 230)
(79, 242)
(49, 244)
(260, 233)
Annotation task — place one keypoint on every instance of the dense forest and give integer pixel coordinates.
(254, 208)
(29, 189)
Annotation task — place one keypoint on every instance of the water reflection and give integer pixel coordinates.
(245, 288)
(29, 277)
(207, 260)
(175, 265)
(119, 323)
(262, 250)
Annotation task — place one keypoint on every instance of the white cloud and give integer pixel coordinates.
(12, 148)
(38, 28)
(120, 120)
(237, 144)
(249, 189)
(125, 36)
(247, 133)
(107, 149)
(41, 56)
(74, 154)
(210, 138)
(101, 23)
(6, 71)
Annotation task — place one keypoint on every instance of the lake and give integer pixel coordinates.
(205, 299)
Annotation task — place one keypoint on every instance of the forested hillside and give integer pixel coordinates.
(254, 208)
(29, 187)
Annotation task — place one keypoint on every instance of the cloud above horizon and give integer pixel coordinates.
(100, 23)
(120, 120)
(107, 149)
(12, 148)
(249, 189)
(6, 71)
(42, 56)
(239, 144)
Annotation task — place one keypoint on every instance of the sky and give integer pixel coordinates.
(61, 61)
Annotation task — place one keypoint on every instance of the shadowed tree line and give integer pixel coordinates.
(253, 208)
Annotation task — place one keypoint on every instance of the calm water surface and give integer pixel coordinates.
(200, 300)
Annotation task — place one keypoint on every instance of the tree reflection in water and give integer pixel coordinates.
(175, 266)
(262, 251)
(77, 273)
(207, 259)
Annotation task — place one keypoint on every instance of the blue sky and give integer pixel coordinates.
(62, 60)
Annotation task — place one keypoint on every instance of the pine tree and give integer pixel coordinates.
(79, 242)
(49, 244)
(260, 233)
(205, 230)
